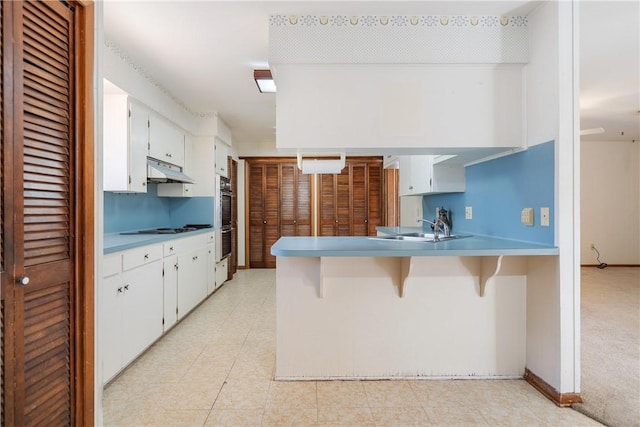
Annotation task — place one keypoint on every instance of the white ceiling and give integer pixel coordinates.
(204, 53)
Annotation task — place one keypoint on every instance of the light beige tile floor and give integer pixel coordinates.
(215, 368)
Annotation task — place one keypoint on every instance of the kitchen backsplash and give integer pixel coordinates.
(136, 211)
(498, 190)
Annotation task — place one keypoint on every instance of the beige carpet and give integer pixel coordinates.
(611, 345)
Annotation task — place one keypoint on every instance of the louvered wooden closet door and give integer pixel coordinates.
(43, 192)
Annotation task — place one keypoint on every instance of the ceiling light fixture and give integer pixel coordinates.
(592, 131)
(264, 81)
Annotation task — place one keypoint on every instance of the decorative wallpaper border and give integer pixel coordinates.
(129, 61)
(398, 20)
(398, 39)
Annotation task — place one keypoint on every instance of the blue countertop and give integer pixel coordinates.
(367, 247)
(116, 242)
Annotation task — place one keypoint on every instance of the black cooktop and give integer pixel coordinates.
(169, 230)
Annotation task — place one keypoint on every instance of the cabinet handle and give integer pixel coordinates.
(195, 258)
(294, 221)
(126, 287)
(175, 266)
(366, 221)
(186, 190)
(146, 256)
(144, 184)
(264, 222)
(23, 280)
(120, 289)
(411, 187)
(168, 155)
(171, 249)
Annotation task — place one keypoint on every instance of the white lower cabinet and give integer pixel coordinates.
(192, 279)
(111, 321)
(142, 309)
(130, 306)
(146, 290)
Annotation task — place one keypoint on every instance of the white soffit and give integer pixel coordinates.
(397, 39)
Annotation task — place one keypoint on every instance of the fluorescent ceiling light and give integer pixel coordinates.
(264, 81)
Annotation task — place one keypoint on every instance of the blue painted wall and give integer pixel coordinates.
(127, 212)
(498, 190)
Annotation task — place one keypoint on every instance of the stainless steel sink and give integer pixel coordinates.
(419, 237)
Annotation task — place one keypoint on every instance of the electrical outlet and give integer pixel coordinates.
(526, 216)
(468, 212)
(544, 217)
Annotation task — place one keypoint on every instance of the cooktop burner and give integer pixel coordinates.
(186, 228)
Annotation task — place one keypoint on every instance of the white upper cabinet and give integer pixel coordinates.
(126, 138)
(201, 164)
(415, 175)
(426, 175)
(166, 140)
(222, 151)
(393, 107)
(175, 189)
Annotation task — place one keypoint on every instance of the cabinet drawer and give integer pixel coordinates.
(171, 247)
(111, 264)
(141, 256)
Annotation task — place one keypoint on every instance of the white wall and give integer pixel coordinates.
(553, 285)
(119, 69)
(610, 202)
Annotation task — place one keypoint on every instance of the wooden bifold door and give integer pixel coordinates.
(47, 286)
(280, 203)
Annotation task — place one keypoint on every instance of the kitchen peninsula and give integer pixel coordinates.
(365, 308)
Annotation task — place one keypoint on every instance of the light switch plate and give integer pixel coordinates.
(544, 217)
(526, 216)
(468, 212)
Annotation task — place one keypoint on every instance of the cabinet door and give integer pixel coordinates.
(264, 213)
(375, 205)
(222, 151)
(170, 291)
(295, 201)
(138, 145)
(166, 141)
(211, 268)
(335, 204)
(192, 279)
(327, 214)
(222, 269)
(366, 196)
(359, 198)
(111, 325)
(415, 175)
(143, 309)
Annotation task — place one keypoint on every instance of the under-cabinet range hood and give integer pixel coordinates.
(158, 171)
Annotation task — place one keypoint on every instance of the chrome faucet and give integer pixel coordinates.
(439, 224)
